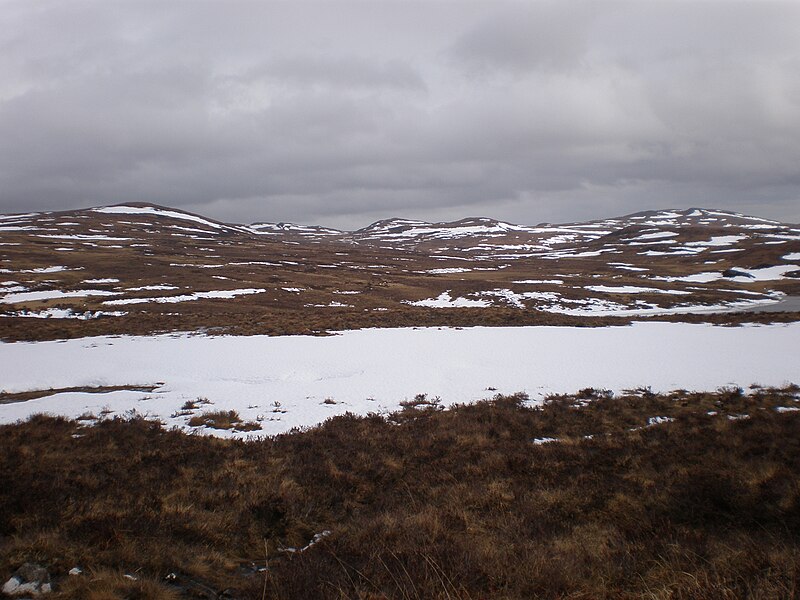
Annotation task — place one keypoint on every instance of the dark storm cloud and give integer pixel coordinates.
(343, 113)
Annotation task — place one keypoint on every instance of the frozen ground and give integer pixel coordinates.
(292, 381)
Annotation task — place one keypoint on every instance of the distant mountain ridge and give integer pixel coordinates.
(394, 225)
(472, 235)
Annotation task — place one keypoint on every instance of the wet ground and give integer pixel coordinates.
(788, 304)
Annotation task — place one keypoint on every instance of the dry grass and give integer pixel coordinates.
(222, 419)
(426, 503)
(249, 319)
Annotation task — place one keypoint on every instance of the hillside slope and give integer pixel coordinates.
(140, 268)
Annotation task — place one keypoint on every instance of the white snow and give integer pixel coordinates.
(52, 295)
(256, 262)
(750, 275)
(66, 313)
(627, 268)
(375, 369)
(719, 240)
(18, 216)
(515, 299)
(658, 420)
(190, 230)
(677, 251)
(448, 270)
(740, 216)
(631, 289)
(56, 269)
(537, 281)
(152, 288)
(85, 237)
(225, 294)
(765, 274)
(332, 303)
(792, 256)
(105, 280)
(588, 307)
(585, 254)
(149, 210)
(738, 417)
(452, 232)
(705, 277)
(651, 236)
(197, 266)
(445, 300)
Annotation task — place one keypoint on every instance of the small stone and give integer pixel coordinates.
(30, 580)
(76, 571)
(11, 586)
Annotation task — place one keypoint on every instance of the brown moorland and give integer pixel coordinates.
(89, 272)
(684, 495)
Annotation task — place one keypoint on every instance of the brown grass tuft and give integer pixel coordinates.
(223, 419)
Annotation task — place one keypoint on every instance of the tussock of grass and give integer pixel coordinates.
(223, 419)
(426, 503)
(111, 585)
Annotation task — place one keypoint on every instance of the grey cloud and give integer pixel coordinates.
(547, 34)
(345, 113)
(338, 72)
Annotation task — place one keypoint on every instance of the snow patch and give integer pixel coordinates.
(52, 295)
(632, 289)
(445, 300)
(221, 294)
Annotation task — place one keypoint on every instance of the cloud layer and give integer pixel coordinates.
(343, 113)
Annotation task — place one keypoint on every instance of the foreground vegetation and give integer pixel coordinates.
(472, 502)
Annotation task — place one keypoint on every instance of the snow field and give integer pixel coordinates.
(297, 381)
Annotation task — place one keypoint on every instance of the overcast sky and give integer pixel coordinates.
(344, 113)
